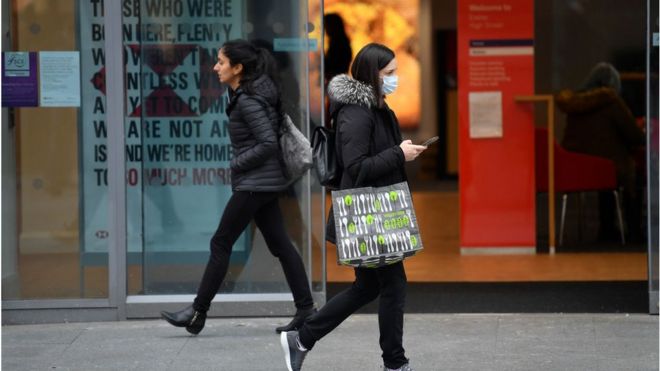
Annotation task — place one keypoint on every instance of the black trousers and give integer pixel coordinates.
(390, 283)
(263, 207)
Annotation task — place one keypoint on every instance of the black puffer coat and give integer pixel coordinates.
(367, 138)
(253, 124)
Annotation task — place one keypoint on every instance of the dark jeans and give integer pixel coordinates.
(264, 209)
(388, 281)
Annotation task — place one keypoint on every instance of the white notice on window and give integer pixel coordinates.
(485, 114)
(59, 79)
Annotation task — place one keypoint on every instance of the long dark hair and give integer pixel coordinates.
(256, 61)
(367, 64)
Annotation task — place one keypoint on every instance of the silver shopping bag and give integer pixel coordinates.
(375, 226)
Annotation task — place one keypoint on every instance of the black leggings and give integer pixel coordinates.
(264, 209)
(390, 283)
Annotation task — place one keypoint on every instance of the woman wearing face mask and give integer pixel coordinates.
(256, 180)
(372, 153)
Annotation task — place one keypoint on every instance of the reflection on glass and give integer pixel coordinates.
(564, 64)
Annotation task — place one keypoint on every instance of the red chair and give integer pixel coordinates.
(574, 173)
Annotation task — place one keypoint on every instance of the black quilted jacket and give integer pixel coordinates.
(253, 123)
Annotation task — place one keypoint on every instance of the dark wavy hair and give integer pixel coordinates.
(367, 65)
(256, 61)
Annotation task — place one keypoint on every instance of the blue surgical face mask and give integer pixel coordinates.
(390, 84)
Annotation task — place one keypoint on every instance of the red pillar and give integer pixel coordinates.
(496, 167)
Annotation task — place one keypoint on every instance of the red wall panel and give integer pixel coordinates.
(497, 190)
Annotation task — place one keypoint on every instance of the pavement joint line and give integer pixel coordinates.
(593, 333)
(497, 335)
(80, 332)
(182, 346)
(77, 336)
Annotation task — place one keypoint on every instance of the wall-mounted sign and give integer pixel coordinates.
(501, 47)
(296, 44)
(20, 87)
(485, 114)
(59, 76)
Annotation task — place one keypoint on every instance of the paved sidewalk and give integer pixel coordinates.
(433, 342)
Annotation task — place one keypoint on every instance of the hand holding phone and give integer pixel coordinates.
(430, 141)
(410, 150)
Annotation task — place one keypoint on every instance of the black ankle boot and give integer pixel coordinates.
(297, 321)
(189, 318)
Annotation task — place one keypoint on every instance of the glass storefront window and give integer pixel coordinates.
(566, 58)
(57, 151)
(177, 143)
(49, 250)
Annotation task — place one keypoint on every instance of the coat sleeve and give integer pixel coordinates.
(626, 126)
(255, 116)
(356, 127)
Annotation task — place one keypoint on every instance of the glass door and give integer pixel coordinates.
(178, 147)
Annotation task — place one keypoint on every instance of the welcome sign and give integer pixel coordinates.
(496, 134)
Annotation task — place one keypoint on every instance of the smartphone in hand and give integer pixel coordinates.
(430, 141)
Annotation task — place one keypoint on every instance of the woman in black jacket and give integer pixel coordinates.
(256, 177)
(372, 153)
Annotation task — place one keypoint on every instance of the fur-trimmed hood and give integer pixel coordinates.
(571, 101)
(344, 89)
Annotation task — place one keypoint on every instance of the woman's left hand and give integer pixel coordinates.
(411, 151)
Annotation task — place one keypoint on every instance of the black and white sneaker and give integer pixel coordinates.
(293, 356)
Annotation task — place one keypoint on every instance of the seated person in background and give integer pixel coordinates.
(599, 123)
